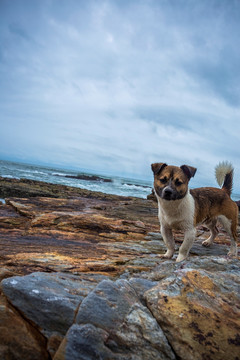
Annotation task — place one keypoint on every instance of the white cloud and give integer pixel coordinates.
(111, 85)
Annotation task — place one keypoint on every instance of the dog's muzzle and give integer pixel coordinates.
(168, 193)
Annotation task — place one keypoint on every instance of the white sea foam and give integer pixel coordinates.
(10, 176)
(136, 187)
(59, 174)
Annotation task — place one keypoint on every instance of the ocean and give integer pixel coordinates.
(95, 182)
(84, 180)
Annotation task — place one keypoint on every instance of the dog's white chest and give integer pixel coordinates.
(177, 214)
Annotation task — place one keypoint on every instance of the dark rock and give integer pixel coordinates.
(142, 285)
(18, 338)
(89, 178)
(131, 331)
(48, 300)
(26, 188)
(152, 196)
(84, 342)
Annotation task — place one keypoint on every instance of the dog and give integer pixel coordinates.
(181, 208)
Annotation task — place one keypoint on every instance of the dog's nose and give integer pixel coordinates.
(167, 192)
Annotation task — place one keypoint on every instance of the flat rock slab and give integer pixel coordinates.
(101, 234)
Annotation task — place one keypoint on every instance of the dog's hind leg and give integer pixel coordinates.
(233, 248)
(231, 228)
(212, 225)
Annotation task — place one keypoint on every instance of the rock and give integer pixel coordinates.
(214, 264)
(130, 331)
(86, 235)
(177, 308)
(141, 285)
(48, 300)
(26, 188)
(10, 219)
(89, 178)
(84, 342)
(152, 196)
(5, 273)
(18, 339)
(199, 312)
(75, 235)
(96, 287)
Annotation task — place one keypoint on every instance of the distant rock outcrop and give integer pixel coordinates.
(88, 177)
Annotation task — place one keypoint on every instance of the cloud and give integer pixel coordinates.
(114, 86)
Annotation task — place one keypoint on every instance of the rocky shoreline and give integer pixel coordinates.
(81, 278)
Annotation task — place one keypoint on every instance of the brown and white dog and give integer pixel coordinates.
(182, 209)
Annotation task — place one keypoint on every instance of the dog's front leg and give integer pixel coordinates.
(169, 241)
(189, 238)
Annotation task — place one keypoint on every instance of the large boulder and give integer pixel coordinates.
(112, 323)
(199, 311)
(49, 300)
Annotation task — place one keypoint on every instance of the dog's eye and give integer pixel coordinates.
(178, 182)
(163, 180)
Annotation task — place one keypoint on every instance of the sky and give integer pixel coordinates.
(113, 86)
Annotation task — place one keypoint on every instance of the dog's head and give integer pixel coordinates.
(171, 182)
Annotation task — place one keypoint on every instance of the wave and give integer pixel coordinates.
(59, 174)
(10, 177)
(32, 171)
(38, 172)
(136, 187)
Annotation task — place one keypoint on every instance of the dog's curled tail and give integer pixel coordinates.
(224, 176)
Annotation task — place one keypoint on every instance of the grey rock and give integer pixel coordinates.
(84, 342)
(154, 236)
(133, 332)
(209, 263)
(49, 300)
(107, 305)
(213, 250)
(141, 286)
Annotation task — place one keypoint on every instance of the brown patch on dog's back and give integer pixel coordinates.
(212, 202)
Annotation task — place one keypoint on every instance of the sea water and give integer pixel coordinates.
(112, 184)
(106, 184)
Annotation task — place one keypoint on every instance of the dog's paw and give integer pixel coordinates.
(232, 255)
(180, 258)
(207, 243)
(168, 255)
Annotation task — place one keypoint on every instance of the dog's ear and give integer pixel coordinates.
(158, 167)
(188, 170)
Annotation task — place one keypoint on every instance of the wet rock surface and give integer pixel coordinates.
(81, 278)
